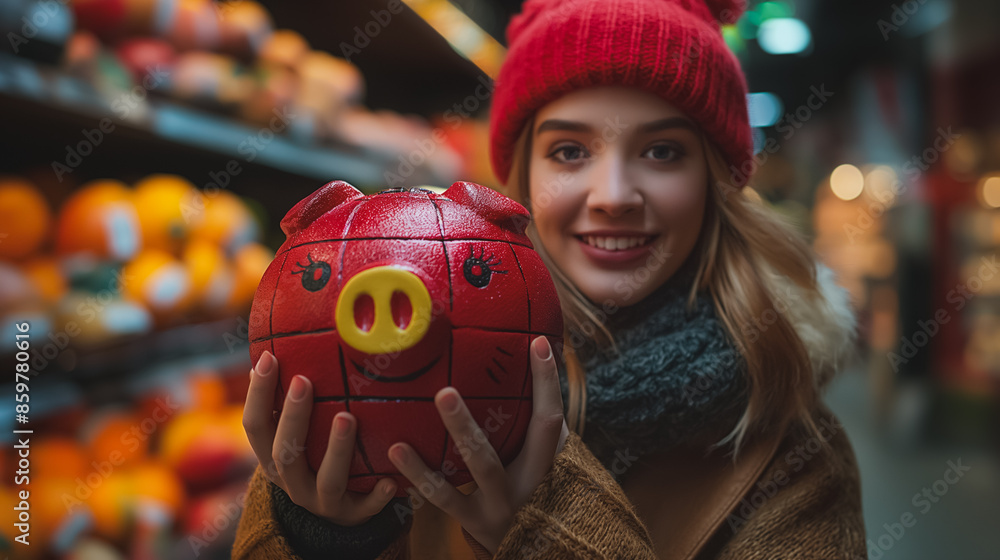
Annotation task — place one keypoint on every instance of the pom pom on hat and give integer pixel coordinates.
(727, 11)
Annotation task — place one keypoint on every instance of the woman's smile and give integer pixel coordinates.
(615, 250)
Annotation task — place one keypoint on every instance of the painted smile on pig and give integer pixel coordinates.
(396, 378)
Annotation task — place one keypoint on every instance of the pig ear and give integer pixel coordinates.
(318, 203)
(490, 204)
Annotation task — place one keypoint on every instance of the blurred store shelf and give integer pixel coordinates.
(44, 95)
(126, 367)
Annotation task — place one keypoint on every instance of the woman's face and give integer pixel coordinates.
(617, 190)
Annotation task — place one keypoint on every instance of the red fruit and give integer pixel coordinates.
(146, 56)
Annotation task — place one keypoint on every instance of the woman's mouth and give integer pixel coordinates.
(615, 250)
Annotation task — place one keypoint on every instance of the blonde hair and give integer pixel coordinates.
(742, 244)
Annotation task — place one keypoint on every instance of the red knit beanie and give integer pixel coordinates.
(672, 48)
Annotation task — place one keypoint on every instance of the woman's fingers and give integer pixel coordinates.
(430, 484)
(472, 443)
(288, 452)
(334, 471)
(544, 430)
(367, 505)
(258, 420)
(331, 479)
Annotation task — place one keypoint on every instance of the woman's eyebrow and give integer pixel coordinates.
(558, 124)
(666, 124)
(650, 127)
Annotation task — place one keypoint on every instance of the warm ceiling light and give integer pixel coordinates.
(846, 182)
(990, 191)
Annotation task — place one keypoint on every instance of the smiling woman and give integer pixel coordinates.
(612, 201)
(699, 329)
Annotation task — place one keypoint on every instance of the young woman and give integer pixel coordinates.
(699, 331)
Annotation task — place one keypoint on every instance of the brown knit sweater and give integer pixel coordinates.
(813, 510)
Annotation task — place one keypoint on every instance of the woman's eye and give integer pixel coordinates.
(663, 152)
(569, 154)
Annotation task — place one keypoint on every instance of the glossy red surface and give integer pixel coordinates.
(490, 292)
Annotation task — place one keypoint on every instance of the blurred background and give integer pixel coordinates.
(151, 147)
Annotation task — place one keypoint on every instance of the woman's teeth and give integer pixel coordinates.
(615, 243)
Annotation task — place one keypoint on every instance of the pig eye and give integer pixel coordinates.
(479, 269)
(315, 275)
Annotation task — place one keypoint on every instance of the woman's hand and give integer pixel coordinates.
(488, 513)
(280, 448)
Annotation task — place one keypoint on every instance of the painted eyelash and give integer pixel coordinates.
(488, 262)
(309, 280)
(304, 266)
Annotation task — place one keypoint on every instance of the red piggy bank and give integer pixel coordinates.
(382, 300)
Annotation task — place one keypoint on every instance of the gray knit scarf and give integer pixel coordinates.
(676, 379)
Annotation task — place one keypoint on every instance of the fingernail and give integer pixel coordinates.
(298, 389)
(265, 364)
(340, 426)
(449, 401)
(397, 453)
(542, 349)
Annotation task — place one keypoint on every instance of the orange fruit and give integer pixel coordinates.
(99, 219)
(119, 437)
(212, 279)
(59, 456)
(57, 512)
(227, 222)
(168, 206)
(250, 263)
(25, 217)
(156, 481)
(159, 281)
(47, 276)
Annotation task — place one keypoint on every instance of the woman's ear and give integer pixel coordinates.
(321, 201)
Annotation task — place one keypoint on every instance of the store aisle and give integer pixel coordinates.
(948, 494)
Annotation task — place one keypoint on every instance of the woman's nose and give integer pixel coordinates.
(611, 190)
